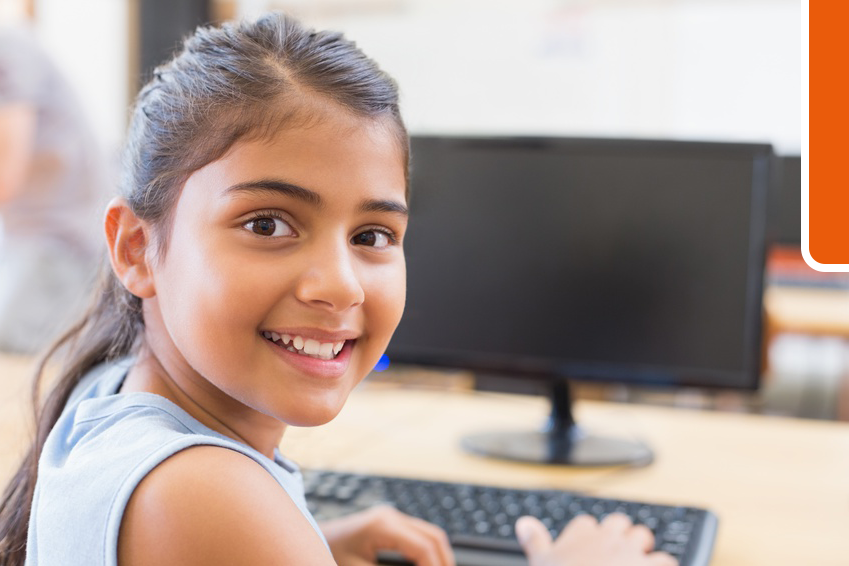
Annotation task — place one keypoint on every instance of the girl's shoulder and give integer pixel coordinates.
(107, 446)
(211, 505)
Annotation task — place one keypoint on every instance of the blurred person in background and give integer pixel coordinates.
(52, 188)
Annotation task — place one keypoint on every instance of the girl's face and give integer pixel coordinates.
(284, 276)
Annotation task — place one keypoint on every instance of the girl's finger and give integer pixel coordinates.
(396, 531)
(533, 536)
(642, 536)
(439, 538)
(578, 529)
(413, 546)
(662, 559)
(617, 523)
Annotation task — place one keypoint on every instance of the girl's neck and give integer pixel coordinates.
(208, 405)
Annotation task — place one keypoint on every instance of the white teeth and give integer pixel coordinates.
(326, 351)
(308, 347)
(311, 347)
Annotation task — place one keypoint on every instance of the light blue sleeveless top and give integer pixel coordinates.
(101, 447)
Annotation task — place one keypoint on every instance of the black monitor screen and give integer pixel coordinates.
(787, 220)
(628, 261)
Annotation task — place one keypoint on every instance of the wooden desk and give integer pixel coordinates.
(779, 486)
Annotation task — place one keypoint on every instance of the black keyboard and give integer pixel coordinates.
(479, 519)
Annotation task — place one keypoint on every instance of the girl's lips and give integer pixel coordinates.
(323, 369)
(316, 334)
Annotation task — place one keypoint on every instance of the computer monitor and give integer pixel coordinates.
(785, 226)
(553, 259)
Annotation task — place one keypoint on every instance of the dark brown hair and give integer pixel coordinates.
(242, 80)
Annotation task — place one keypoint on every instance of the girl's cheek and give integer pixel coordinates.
(385, 304)
(394, 288)
(395, 311)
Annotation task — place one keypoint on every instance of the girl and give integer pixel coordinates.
(257, 275)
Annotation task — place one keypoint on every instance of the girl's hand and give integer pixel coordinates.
(356, 539)
(585, 542)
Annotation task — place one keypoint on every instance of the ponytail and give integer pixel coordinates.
(109, 330)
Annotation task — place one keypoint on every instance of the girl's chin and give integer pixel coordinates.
(314, 415)
(310, 406)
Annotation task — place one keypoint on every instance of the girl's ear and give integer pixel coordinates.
(128, 238)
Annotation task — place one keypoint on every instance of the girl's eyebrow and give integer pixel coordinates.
(311, 197)
(384, 206)
(277, 187)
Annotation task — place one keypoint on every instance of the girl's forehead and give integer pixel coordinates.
(337, 154)
(322, 127)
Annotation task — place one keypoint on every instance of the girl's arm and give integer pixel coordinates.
(212, 506)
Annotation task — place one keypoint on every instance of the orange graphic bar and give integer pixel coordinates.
(829, 132)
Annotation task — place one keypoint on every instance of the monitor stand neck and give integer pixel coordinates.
(561, 441)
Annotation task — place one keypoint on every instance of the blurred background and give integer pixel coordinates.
(713, 70)
(692, 69)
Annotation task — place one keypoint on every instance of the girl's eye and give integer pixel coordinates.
(269, 226)
(373, 238)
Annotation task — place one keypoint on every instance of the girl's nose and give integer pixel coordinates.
(330, 280)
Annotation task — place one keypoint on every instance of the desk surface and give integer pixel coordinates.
(779, 486)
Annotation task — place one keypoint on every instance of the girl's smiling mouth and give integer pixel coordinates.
(306, 346)
(314, 352)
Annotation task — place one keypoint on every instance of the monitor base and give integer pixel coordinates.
(573, 449)
(562, 440)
